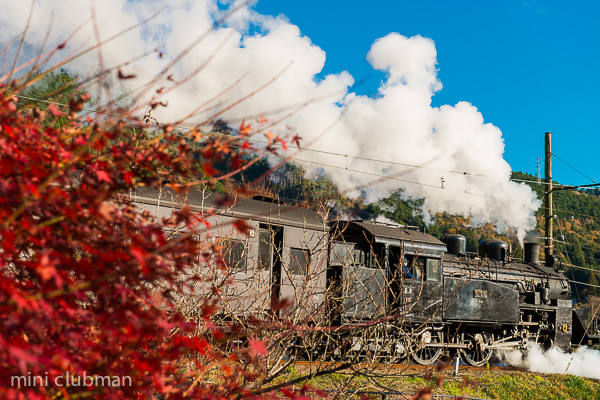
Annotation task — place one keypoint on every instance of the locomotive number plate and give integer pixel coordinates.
(480, 294)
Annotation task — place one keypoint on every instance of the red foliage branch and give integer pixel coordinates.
(81, 266)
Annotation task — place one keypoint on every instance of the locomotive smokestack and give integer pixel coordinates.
(532, 253)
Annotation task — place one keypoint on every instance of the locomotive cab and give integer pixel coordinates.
(415, 286)
(379, 269)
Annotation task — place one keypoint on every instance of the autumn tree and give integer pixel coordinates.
(88, 280)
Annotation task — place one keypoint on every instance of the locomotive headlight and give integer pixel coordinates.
(564, 328)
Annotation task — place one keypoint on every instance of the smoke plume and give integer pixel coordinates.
(460, 156)
(584, 362)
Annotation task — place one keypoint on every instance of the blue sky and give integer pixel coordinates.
(529, 67)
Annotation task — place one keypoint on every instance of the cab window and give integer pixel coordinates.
(367, 258)
(433, 269)
(418, 265)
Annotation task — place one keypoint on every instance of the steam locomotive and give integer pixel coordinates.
(454, 302)
(403, 292)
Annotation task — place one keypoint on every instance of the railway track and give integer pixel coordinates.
(408, 368)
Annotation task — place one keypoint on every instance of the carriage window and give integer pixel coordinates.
(234, 254)
(299, 261)
(265, 249)
(433, 270)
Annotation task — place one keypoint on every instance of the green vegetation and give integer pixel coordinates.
(493, 384)
(528, 386)
(55, 87)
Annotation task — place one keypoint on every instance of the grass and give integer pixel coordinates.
(529, 386)
(491, 384)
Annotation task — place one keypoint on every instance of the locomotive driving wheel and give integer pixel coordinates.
(422, 353)
(477, 353)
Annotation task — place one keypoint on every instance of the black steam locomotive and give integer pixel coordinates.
(446, 301)
(381, 289)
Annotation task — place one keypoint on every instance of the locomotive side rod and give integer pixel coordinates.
(498, 346)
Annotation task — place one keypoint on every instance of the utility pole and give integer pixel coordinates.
(548, 199)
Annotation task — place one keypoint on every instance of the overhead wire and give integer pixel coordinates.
(345, 156)
(578, 245)
(392, 178)
(578, 267)
(570, 212)
(536, 182)
(387, 162)
(575, 169)
(584, 284)
(309, 150)
(20, 96)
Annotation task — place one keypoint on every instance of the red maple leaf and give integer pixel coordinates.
(296, 140)
(257, 347)
(103, 176)
(242, 226)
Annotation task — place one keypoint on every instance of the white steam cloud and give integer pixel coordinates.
(399, 126)
(584, 362)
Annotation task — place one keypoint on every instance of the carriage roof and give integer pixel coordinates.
(412, 241)
(267, 211)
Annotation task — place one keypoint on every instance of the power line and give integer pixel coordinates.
(575, 169)
(84, 109)
(311, 150)
(577, 245)
(573, 187)
(316, 151)
(346, 156)
(266, 142)
(578, 267)
(392, 178)
(571, 212)
(535, 182)
(585, 284)
(524, 180)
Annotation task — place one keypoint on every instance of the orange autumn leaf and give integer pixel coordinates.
(245, 129)
(270, 136)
